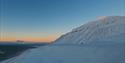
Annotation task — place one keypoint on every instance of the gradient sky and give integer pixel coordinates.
(45, 20)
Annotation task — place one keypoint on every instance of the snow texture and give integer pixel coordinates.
(99, 29)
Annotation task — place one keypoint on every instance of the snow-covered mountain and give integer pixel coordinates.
(103, 41)
(97, 30)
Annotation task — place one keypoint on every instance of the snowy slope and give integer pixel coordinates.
(105, 43)
(99, 29)
(73, 54)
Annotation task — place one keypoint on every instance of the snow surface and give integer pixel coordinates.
(72, 54)
(99, 29)
(101, 41)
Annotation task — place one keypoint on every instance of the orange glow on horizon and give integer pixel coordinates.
(31, 39)
(7, 38)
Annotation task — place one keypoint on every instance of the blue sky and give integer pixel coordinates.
(44, 18)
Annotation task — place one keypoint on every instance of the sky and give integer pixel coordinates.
(46, 20)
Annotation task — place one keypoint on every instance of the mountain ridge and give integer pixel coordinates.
(108, 26)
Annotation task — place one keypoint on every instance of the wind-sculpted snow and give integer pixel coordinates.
(100, 29)
(101, 41)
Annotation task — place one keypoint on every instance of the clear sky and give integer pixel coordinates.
(46, 20)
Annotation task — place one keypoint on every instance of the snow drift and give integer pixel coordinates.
(101, 41)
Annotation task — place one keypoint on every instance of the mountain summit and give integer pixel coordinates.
(101, 29)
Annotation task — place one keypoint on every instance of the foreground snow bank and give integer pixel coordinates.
(73, 54)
